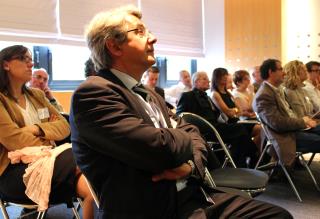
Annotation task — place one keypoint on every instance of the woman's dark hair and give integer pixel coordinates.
(239, 75)
(217, 74)
(7, 54)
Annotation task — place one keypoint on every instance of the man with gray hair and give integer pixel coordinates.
(198, 102)
(173, 93)
(40, 79)
(142, 162)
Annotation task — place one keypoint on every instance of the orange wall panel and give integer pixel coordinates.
(252, 32)
(64, 98)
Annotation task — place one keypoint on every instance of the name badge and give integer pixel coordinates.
(43, 113)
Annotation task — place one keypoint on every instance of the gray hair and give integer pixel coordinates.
(196, 76)
(39, 69)
(182, 72)
(108, 25)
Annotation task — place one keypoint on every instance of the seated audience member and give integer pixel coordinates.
(285, 128)
(313, 83)
(151, 80)
(198, 102)
(223, 99)
(173, 93)
(141, 164)
(243, 95)
(257, 80)
(40, 80)
(89, 68)
(29, 120)
(296, 96)
(229, 85)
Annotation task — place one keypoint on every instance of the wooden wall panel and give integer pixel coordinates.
(64, 98)
(252, 32)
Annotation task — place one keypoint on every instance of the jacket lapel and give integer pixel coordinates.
(278, 101)
(132, 99)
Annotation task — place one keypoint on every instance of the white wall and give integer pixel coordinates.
(213, 36)
(300, 30)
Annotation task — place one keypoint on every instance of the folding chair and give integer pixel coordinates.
(93, 193)
(249, 180)
(40, 215)
(299, 155)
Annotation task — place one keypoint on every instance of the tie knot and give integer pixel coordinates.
(141, 90)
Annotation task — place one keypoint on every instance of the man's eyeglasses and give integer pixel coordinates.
(39, 77)
(141, 31)
(279, 69)
(22, 58)
(315, 70)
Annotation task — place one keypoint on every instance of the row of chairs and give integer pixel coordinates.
(227, 175)
(4, 203)
(279, 164)
(249, 180)
(252, 181)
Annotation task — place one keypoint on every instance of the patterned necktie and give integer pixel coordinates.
(141, 90)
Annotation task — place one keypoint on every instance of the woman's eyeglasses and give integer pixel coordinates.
(22, 58)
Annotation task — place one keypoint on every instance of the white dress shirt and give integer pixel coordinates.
(313, 93)
(173, 94)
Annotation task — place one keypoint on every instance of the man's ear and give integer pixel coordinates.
(113, 48)
(269, 72)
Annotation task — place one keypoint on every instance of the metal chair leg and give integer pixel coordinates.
(311, 159)
(225, 162)
(209, 178)
(262, 155)
(76, 213)
(304, 163)
(78, 206)
(291, 182)
(41, 214)
(4, 211)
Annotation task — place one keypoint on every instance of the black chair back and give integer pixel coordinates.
(211, 135)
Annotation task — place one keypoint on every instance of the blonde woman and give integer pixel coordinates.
(296, 96)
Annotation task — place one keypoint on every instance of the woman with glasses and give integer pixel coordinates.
(28, 119)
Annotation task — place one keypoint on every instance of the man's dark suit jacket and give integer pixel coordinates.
(159, 91)
(118, 149)
(198, 102)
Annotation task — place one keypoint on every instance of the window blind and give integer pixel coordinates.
(32, 20)
(76, 14)
(176, 24)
